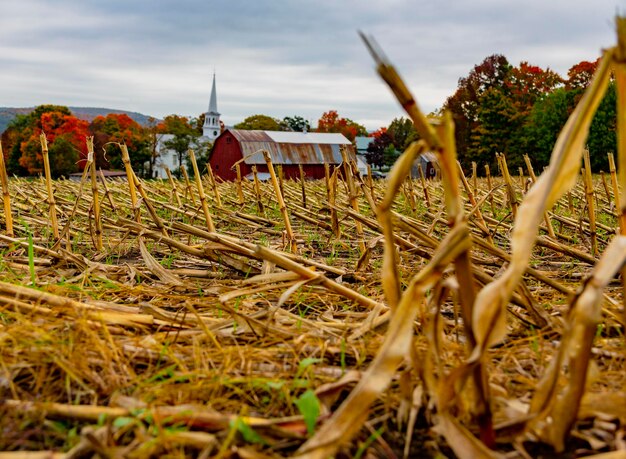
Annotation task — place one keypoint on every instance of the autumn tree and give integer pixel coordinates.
(67, 145)
(19, 130)
(465, 102)
(259, 122)
(331, 122)
(114, 129)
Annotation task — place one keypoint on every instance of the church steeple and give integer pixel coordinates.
(211, 127)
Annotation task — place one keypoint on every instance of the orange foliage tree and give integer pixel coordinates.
(66, 136)
(330, 121)
(118, 128)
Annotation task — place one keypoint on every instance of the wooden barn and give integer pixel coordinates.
(287, 149)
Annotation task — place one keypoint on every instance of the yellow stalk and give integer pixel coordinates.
(91, 164)
(281, 202)
(51, 203)
(205, 207)
(130, 177)
(6, 197)
(174, 188)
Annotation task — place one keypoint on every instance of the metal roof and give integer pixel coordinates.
(292, 147)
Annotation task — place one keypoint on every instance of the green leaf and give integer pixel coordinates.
(309, 406)
(305, 363)
(248, 433)
(123, 421)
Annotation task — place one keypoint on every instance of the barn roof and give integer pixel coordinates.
(291, 147)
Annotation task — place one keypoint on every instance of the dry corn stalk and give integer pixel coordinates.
(188, 188)
(130, 177)
(353, 197)
(6, 196)
(533, 179)
(239, 188)
(591, 203)
(173, 185)
(558, 395)
(205, 208)
(91, 164)
(281, 202)
(51, 203)
(216, 191)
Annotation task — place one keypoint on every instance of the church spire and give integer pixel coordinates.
(211, 127)
(213, 101)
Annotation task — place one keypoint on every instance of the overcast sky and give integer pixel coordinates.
(277, 57)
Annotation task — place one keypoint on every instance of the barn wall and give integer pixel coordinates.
(226, 153)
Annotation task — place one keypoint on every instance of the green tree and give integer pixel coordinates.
(295, 123)
(259, 122)
(402, 133)
(185, 135)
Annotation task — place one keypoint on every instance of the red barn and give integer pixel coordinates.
(287, 149)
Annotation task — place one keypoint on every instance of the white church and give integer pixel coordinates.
(211, 129)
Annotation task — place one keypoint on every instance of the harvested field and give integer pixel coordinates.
(359, 319)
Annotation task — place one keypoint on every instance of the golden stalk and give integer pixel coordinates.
(490, 186)
(51, 203)
(281, 202)
(332, 199)
(91, 164)
(327, 180)
(240, 196)
(616, 192)
(533, 179)
(107, 193)
(605, 186)
(146, 200)
(281, 179)
(353, 197)
(591, 203)
(301, 171)
(257, 191)
(205, 207)
(482, 224)
(130, 176)
(189, 189)
(216, 191)
(174, 188)
(475, 178)
(6, 197)
(509, 185)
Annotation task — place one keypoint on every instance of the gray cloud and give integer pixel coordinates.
(278, 57)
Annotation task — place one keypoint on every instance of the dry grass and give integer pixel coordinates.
(348, 319)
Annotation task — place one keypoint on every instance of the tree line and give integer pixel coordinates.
(497, 108)
(515, 110)
(67, 135)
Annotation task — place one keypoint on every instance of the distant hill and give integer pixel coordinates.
(85, 113)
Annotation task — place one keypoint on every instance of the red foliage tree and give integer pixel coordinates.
(330, 121)
(579, 75)
(116, 129)
(67, 146)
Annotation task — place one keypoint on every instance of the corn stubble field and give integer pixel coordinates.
(336, 318)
